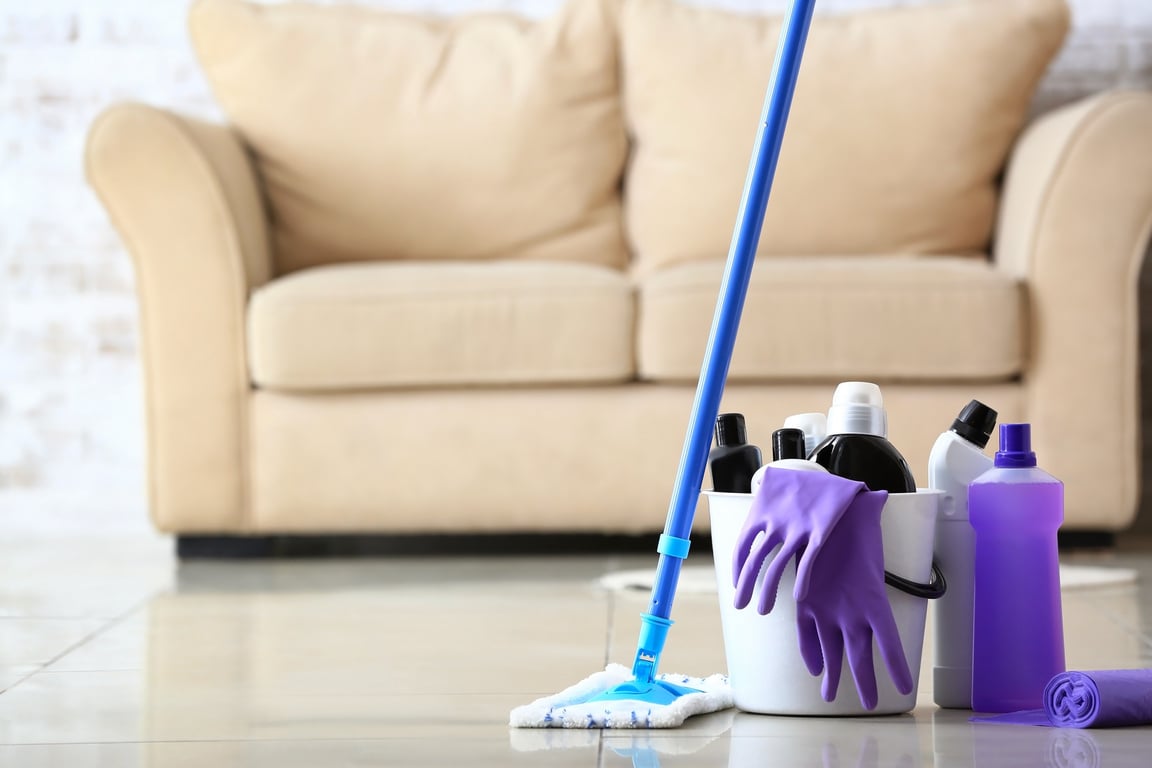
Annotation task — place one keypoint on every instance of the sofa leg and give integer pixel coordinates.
(225, 547)
(1071, 540)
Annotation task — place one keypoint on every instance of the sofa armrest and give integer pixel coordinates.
(185, 199)
(1074, 226)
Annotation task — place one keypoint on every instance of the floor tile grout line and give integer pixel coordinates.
(385, 741)
(59, 618)
(114, 622)
(248, 741)
(1119, 622)
(1136, 632)
(610, 630)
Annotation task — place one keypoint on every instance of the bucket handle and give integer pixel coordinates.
(933, 590)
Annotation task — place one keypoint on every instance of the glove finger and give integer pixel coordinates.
(759, 520)
(809, 643)
(892, 651)
(804, 565)
(860, 660)
(832, 646)
(746, 578)
(770, 583)
(744, 541)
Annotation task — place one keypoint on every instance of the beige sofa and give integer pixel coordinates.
(457, 274)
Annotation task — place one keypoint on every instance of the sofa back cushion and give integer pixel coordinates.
(902, 121)
(383, 135)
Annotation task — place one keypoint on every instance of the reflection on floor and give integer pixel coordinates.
(112, 654)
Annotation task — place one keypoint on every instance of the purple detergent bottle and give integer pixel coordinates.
(1017, 629)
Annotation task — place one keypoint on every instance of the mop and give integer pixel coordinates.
(641, 698)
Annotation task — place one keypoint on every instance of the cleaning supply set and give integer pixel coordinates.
(999, 633)
(863, 568)
(843, 526)
(845, 615)
(992, 523)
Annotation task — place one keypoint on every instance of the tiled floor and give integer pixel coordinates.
(112, 654)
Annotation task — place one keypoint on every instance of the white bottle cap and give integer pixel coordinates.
(857, 409)
(813, 425)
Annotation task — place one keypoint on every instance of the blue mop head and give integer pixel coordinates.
(580, 707)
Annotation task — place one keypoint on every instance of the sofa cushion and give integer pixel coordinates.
(902, 121)
(358, 326)
(894, 318)
(384, 135)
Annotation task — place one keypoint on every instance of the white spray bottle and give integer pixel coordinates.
(956, 460)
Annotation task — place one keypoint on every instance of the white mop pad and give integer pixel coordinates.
(688, 740)
(571, 709)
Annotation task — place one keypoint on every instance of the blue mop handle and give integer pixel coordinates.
(673, 546)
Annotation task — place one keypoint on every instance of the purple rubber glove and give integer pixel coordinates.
(847, 605)
(795, 510)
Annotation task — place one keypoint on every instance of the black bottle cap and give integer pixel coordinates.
(730, 429)
(788, 443)
(975, 423)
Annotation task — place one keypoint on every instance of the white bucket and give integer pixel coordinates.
(765, 668)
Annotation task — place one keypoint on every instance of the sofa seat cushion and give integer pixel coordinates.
(809, 318)
(391, 135)
(902, 123)
(361, 326)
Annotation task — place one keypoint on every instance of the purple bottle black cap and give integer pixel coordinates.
(1015, 446)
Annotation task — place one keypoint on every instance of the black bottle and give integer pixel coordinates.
(733, 461)
(857, 446)
(788, 443)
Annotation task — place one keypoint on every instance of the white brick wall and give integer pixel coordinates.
(71, 436)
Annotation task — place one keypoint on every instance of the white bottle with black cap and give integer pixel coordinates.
(857, 445)
(956, 460)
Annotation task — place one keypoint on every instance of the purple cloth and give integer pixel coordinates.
(1100, 699)
(1097, 699)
